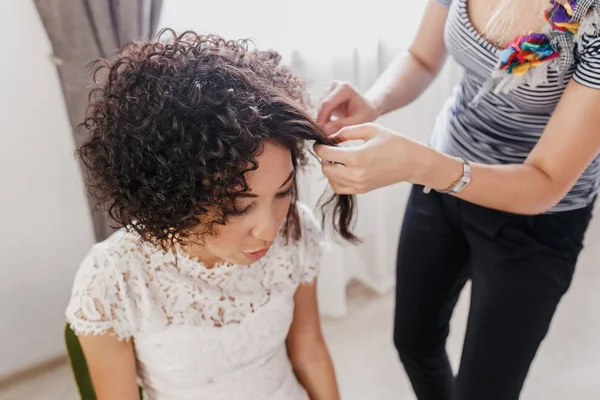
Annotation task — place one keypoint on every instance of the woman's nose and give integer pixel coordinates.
(266, 227)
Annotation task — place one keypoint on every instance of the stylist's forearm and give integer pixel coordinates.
(515, 188)
(412, 72)
(402, 82)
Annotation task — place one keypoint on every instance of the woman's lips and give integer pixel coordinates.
(255, 255)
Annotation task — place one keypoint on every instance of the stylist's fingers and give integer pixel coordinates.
(341, 189)
(340, 94)
(349, 156)
(326, 92)
(334, 154)
(333, 128)
(355, 132)
(337, 175)
(343, 179)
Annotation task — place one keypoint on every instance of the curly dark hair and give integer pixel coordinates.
(173, 126)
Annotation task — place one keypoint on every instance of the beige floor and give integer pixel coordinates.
(567, 366)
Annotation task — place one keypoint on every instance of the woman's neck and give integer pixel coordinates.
(500, 21)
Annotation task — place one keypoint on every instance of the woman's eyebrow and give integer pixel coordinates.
(289, 178)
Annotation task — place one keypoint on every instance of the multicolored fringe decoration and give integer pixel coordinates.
(527, 52)
(527, 58)
(560, 16)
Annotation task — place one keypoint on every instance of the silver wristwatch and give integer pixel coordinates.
(460, 184)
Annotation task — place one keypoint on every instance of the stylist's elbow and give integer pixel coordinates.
(539, 206)
(544, 196)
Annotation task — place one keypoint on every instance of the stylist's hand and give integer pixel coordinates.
(385, 158)
(346, 105)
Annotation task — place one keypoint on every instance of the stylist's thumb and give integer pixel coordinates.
(355, 132)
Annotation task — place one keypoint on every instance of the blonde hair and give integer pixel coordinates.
(502, 18)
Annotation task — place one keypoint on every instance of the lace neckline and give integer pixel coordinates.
(191, 265)
(196, 265)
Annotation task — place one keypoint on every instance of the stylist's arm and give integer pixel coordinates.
(569, 144)
(385, 158)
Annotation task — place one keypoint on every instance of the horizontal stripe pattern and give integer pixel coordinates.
(504, 128)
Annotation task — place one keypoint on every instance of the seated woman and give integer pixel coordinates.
(208, 292)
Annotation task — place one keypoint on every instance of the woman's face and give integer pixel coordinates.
(247, 237)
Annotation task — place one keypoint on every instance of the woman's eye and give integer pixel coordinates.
(241, 212)
(286, 193)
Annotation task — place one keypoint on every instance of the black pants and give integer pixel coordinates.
(520, 267)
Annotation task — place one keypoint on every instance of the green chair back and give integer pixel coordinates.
(79, 366)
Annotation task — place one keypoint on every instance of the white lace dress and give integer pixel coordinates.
(199, 333)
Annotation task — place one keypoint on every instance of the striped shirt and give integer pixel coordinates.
(503, 128)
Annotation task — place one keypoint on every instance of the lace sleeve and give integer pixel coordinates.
(97, 305)
(311, 246)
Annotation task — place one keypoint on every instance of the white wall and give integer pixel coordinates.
(45, 228)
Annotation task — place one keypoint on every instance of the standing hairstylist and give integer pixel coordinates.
(502, 196)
